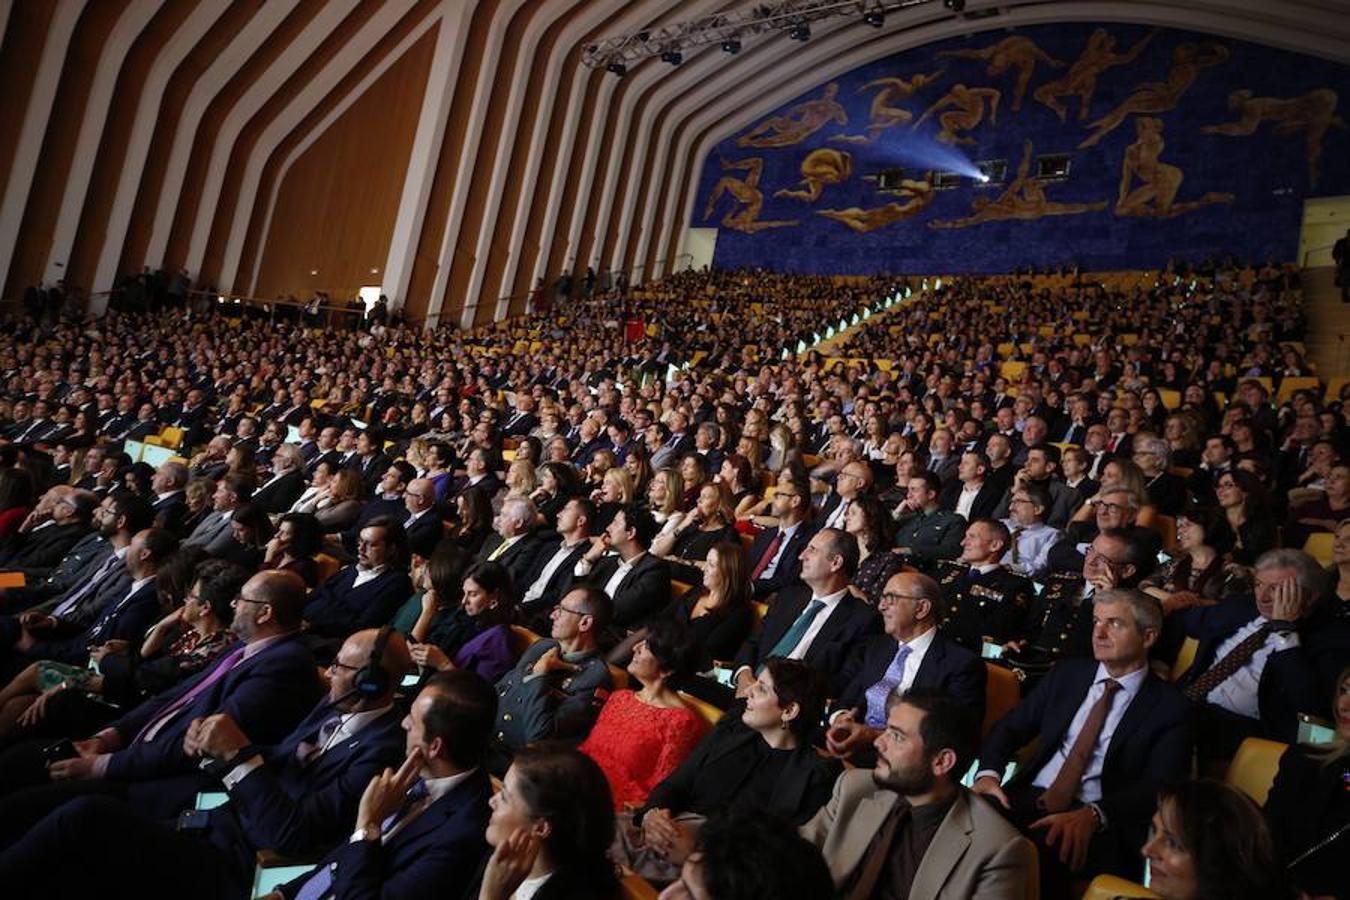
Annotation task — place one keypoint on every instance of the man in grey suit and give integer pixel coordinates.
(910, 825)
(213, 532)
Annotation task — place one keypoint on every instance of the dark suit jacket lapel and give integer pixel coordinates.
(1136, 714)
(441, 809)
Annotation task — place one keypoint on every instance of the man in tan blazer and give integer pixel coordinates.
(908, 825)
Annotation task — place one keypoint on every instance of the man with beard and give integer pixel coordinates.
(908, 828)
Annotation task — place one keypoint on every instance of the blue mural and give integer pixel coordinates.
(1111, 146)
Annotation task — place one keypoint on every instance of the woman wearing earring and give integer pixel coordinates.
(552, 825)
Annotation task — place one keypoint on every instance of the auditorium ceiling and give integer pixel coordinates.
(452, 152)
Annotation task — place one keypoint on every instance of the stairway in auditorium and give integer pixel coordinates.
(1328, 339)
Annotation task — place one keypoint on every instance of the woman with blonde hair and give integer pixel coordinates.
(615, 492)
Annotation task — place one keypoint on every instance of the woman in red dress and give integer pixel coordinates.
(641, 736)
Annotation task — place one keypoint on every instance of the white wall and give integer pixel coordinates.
(699, 244)
(1325, 221)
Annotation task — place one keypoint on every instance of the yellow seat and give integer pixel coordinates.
(522, 638)
(154, 440)
(1166, 526)
(1253, 768)
(1002, 691)
(12, 580)
(619, 677)
(1063, 445)
(1082, 340)
(171, 436)
(1170, 398)
(1318, 546)
(702, 708)
(1334, 388)
(635, 887)
(1109, 887)
(1006, 350)
(1129, 340)
(1185, 657)
(680, 588)
(758, 610)
(1012, 369)
(328, 566)
(1289, 385)
(1221, 399)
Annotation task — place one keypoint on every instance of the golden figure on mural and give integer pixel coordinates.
(1314, 112)
(1160, 96)
(1081, 79)
(821, 167)
(967, 115)
(919, 194)
(1024, 198)
(1156, 196)
(744, 190)
(884, 113)
(798, 123)
(1015, 51)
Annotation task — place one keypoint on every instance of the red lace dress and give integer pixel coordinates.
(638, 745)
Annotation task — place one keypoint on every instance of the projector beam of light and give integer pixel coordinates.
(918, 153)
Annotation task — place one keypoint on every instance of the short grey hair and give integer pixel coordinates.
(176, 472)
(291, 454)
(519, 510)
(1148, 612)
(1156, 446)
(1118, 488)
(1311, 577)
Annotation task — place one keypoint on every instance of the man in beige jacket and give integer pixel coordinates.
(908, 829)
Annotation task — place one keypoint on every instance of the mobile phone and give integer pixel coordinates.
(62, 749)
(193, 820)
(1314, 731)
(723, 676)
(990, 650)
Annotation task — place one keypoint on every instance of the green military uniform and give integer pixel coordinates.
(931, 536)
(560, 705)
(978, 605)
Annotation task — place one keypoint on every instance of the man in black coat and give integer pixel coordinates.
(774, 557)
(512, 544)
(911, 653)
(636, 581)
(1110, 733)
(820, 622)
(68, 512)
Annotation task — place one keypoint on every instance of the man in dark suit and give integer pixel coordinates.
(971, 494)
(421, 828)
(1251, 674)
(365, 595)
(265, 683)
(276, 495)
(774, 556)
(550, 572)
(295, 798)
(523, 420)
(370, 460)
(423, 522)
(1110, 733)
(511, 542)
(478, 476)
(911, 653)
(819, 622)
(637, 582)
(42, 545)
(170, 503)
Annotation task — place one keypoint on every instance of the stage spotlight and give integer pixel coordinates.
(732, 46)
(982, 178)
(955, 6)
(617, 68)
(875, 18)
(674, 57)
(800, 32)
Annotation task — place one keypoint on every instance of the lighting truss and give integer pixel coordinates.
(732, 28)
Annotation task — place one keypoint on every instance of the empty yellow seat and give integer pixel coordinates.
(1253, 768)
(1318, 546)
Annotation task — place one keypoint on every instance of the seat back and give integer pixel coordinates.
(1185, 657)
(635, 887)
(1253, 768)
(522, 638)
(619, 676)
(328, 566)
(1002, 691)
(1318, 546)
(1109, 887)
(702, 708)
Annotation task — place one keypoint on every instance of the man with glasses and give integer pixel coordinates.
(853, 480)
(774, 556)
(1114, 506)
(1029, 538)
(423, 522)
(557, 688)
(58, 522)
(365, 595)
(911, 653)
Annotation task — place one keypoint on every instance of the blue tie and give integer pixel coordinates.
(320, 884)
(877, 693)
(788, 642)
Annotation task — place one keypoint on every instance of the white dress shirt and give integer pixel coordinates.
(967, 500)
(550, 568)
(364, 575)
(788, 532)
(1239, 692)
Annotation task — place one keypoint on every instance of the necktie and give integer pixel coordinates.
(769, 553)
(308, 751)
(155, 725)
(501, 548)
(1222, 670)
(320, 884)
(1068, 780)
(789, 641)
(1016, 539)
(877, 693)
(879, 851)
(88, 588)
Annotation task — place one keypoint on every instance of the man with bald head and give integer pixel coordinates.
(265, 682)
(423, 523)
(853, 480)
(297, 797)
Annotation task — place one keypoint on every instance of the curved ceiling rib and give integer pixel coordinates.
(34, 128)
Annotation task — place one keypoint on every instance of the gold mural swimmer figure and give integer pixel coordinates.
(821, 167)
(1081, 79)
(920, 194)
(1314, 112)
(746, 191)
(1015, 51)
(1156, 196)
(1023, 199)
(884, 113)
(798, 123)
(1160, 96)
(967, 115)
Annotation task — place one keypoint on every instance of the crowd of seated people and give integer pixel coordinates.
(658, 561)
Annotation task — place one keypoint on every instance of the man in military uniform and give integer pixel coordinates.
(1060, 624)
(982, 599)
(925, 533)
(560, 683)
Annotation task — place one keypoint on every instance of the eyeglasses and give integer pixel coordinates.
(344, 667)
(895, 597)
(241, 598)
(576, 612)
(1112, 507)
